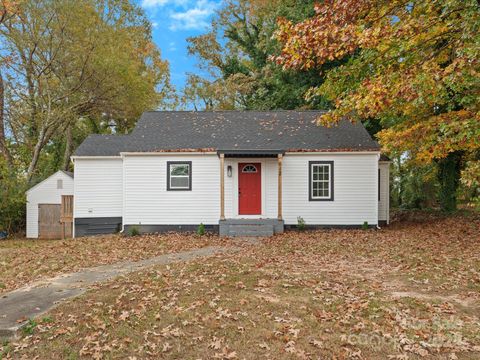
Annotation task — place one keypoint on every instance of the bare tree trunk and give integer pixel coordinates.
(68, 148)
(36, 154)
(3, 143)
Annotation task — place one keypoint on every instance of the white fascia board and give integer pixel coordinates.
(166, 153)
(95, 157)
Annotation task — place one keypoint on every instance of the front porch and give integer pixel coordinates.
(250, 227)
(253, 192)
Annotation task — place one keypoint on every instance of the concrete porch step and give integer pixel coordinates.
(250, 227)
(250, 230)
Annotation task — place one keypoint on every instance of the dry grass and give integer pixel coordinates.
(408, 291)
(23, 261)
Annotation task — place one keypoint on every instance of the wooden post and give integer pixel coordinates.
(222, 186)
(280, 161)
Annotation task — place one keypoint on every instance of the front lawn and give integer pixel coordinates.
(407, 291)
(23, 261)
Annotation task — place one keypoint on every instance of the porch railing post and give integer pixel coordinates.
(222, 186)
(280, 161)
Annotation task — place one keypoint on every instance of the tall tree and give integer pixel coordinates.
(69, 63)
(414, 66)
(234, 56)
(8, 9)
(3, 143)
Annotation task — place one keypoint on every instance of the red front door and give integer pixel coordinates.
(249, 189)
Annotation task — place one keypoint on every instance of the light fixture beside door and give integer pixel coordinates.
(229, 170)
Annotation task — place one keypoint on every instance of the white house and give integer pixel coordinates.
(44, 202)
(237, 172)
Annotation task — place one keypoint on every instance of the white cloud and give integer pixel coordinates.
(154, 24)
(153, 3)
(159, 3)
(195, 18)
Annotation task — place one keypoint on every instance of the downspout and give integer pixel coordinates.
(378, 184)
(122, 231)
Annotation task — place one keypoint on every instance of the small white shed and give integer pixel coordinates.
(44, 206)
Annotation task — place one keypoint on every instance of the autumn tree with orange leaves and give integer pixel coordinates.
(412, 65)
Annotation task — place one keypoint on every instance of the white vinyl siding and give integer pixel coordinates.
(354, 188)
(148, 202)
(98, 188)
(384, 203)
(46, 192)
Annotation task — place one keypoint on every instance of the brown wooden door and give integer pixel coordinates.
(49, 226)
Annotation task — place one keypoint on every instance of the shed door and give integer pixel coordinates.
(49, 226)
(249, 189)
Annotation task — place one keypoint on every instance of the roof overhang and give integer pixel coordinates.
(238, 153)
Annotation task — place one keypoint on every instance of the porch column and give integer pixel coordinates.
(280, 160)
(222, 186)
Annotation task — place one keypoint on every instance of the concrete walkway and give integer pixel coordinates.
(18, 306)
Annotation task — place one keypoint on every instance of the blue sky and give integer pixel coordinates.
(173, 22)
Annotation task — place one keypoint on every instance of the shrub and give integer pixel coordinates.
(301, 224)
(133, 231)
(365, 225)
(201, 229)
(12, 193)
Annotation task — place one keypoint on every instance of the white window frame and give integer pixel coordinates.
(311, 181)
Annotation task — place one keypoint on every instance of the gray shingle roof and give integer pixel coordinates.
(158, 131)
(68, 173)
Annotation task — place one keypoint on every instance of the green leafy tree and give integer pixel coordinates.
(235, 58)
(68, 65)
(12, 193)
(69, 69)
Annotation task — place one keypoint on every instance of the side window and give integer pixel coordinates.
(59, 184)
(320, 181)
(179, 175)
